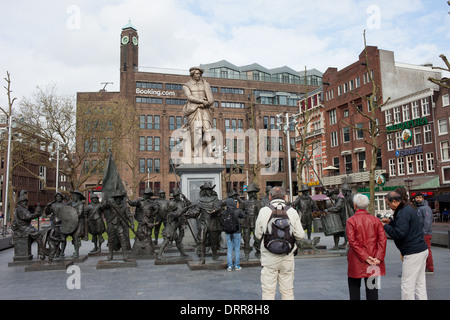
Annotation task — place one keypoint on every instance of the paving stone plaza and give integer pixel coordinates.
(316, 278)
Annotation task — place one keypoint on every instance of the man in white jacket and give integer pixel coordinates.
(277, 268)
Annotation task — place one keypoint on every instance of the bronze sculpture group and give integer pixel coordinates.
(75, 220)
(68, 218)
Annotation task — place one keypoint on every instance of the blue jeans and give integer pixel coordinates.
(233, 242)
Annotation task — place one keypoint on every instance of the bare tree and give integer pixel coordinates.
(85, 133)
(305, 144)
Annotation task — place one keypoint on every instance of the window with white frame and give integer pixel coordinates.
(334, 139)
(419, 163)
(415, 110)
(426, 107)
(397, 118)
(446, 174)
(346, 134)
(442, 125)
(333, 116)
(410, 164)
(445, 100)
(445, 151)
(417, 136)
(405, 110)
(399, 140)
(390, 142)
(427, 134)
(392, 167)
(430, 161)
(388, 116)
(401, 166)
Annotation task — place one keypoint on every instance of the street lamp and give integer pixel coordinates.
(286, 127)
(408, 183)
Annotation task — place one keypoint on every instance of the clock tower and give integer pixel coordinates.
(129, 52)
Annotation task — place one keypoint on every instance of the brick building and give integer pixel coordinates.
(345, 143)
(240, 93)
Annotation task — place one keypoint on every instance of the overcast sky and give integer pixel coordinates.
(75, 44)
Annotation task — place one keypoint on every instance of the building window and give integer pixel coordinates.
(150, 122)
(390, 142)
(157, 144)
(427, 134)
(141, 165)
(388, 116)
(397, 115)
(445, 100)
(419, 163)
(445, 148)
(410, 164)
(334, 139)
(425, 107)
(446, 174)
(443, 128)
(430, 162)
(336, 164)
(149, 100)
(142, 122)
(362, 161)
(391, 167)
(401, 166)
(141, 143)
(346, 134)
(415, 110)
(417, 136)
(333, 116)
(348, 164)
(157, 122)
(360, 131)
(398, 140)
(266, 122)
(405, 110)
(149, 143)
(157, 166)
(171, 123)
(149, 165)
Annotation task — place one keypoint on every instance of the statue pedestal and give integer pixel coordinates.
(192, 176)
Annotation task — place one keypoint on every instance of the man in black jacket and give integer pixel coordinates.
(406, 231)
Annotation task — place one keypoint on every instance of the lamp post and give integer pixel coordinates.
(408, 183)
(286, 126)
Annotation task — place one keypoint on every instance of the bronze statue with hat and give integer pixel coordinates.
(305, 206)
(22, 228)
(94, 215)
(251, 208)
(118, 220)
(198, 109)
(208, 221)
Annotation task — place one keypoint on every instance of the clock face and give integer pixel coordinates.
(135, 41)
(125, 40)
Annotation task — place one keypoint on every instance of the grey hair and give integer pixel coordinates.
(361, 201)
(277, 193)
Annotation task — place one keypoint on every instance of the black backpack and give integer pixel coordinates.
(279, 238)
(230, 224)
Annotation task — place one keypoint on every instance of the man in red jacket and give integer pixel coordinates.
(367, 249)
